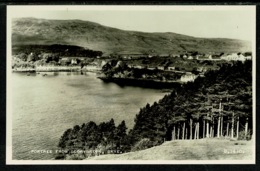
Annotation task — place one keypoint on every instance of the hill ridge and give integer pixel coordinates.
(113, 40)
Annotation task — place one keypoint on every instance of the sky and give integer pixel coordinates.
(237, 22)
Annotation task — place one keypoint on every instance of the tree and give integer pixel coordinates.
(65, 138)
(90, 135)
(121, 136)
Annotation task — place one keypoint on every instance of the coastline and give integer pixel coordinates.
(54, 69)
(145, 83)
(142, 82)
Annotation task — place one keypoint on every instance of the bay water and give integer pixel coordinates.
(44, 105)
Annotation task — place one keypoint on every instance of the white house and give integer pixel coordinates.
(73, 61)
(120, 64)
(190, 57)
(138, 66)
(151, 68)
(160, 67)
(103, 63)
(248, 57)
(188, 77)
(91, 67)
(171, 67)
(234, 57)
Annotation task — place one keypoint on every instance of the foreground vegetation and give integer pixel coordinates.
(213, 106)
(217, 105)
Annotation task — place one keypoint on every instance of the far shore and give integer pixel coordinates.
(55, 69)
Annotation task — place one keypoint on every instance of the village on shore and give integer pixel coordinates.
(185, 67)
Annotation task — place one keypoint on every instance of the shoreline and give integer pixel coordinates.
(145, 83)
(142, 82)
(53, 70)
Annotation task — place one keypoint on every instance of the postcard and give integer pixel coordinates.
(131, 84)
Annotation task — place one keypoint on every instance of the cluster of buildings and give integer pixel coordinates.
(97, 65)
(220, 56)
(196, 56)
(236, 57)
(70, 60)
(188, 56)
(163, 68)
(40, 68)
(185, 76)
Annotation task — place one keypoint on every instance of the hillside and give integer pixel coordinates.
(217, 106)
(31, 31)
(203, 149)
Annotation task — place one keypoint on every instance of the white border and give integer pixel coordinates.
(11, 8)
(132, 7)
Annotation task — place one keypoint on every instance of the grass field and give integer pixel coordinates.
(202, 149)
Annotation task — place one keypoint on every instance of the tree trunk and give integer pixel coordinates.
(218, 127)
(190, 129)
(203, 135)
(246, 127)
(186, 133)
(221, 127)
(173, 133)
(237, 126)
(211, 131)
(232, 126)
(227, 129)
(183, 131)
(219, 120)
(198, 130)
(178, 132)
(213, 128)
(195, 132)
(207, 130)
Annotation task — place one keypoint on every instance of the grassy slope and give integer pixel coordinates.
(110, 40)
(202, 149)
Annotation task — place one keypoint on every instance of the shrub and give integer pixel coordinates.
(142, 144)
(243, 136)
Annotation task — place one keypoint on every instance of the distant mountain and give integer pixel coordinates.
(31, 31)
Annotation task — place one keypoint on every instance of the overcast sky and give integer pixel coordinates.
(236, 22)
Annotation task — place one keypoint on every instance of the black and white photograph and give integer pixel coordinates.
(131, 84)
